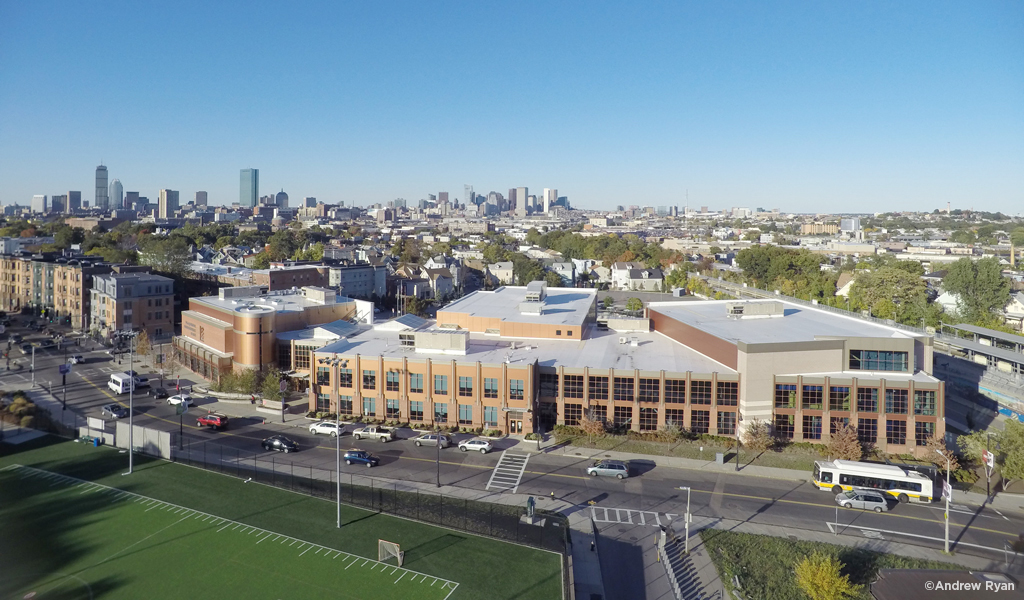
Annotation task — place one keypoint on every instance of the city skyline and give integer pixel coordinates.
(821, 109)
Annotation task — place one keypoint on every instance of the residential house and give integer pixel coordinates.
(565, 270)
(501, 272)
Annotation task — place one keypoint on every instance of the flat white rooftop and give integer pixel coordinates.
(282, 301)
(563, 306)
(598, 350)
(799, 323)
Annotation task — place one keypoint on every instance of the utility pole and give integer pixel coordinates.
(947, 492)
(131, 409)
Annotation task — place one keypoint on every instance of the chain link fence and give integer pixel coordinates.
(499, 521)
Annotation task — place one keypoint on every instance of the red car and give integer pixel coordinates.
(215, 420)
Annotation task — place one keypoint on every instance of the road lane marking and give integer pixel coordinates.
(508, 473)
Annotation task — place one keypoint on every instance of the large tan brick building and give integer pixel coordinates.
(51, 286)
(132, 302)
(524, 359)
(244, 327)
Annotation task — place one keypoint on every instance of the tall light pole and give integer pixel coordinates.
(131, 405)
(947, 492)
(337, 449)
(686, 520)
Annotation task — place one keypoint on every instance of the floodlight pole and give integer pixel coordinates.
(439, 457)
(131, 410)
(337, 450)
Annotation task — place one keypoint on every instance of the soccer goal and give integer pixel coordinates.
(386, 550)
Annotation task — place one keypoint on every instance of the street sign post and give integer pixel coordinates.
(181, 409)
(64, 369)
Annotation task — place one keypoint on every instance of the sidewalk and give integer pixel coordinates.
(998, 500)
(847, 536)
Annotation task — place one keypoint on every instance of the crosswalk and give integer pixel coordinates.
(508, 472)
(631, 517)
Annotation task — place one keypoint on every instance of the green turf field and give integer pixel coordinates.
(72, 526)
(166, 549)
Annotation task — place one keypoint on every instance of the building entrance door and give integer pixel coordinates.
(516, 427)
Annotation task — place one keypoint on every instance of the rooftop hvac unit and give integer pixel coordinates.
(634, 342)
(622, 340)
(512, 346)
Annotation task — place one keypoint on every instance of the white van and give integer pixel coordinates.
(121, 383)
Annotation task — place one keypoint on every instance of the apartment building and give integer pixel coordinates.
(50, 285)
(525, 359)
(132, 302)
(250, 328)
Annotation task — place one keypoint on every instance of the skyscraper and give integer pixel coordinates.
(39, 204)
(468, 195)
(102, 201)
(281, 200)
(131, 199)
(249, 188)
(309, 202)
(550, 198)
(116, 194)
(168, 204)
(522, 199)
(201, 199)
(74, 202)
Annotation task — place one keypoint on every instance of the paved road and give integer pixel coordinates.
(647, 499)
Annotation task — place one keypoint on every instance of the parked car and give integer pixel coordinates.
(180, 399)
(864, 499)
(479, 444)
(140, 380)
(159, 393)
(328, 427)
(76, 359)
(215, 420)
(115, 410)
(609, 468)
(361, 457)
(46, 345)
(430, 439)
(16, 338)
(280, 444)
(26, 348)
(381, 434)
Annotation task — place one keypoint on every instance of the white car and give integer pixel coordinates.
(76, 359)
(483, 446)
(180, 399)
(328, 427)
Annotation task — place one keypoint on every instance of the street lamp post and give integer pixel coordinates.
(686, 520)
(131, 405)
(947, 492)
(337, 450)
(438, 457)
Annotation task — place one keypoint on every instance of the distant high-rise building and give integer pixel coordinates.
(399, 203)
(102, 199)
(115, 194)
(523, 198)
(249, 188)
(168, 204)
(281, 200)
(467, 195)
(443, 196)
(131, 200)
(531, 204)
(309, 202)
(512, 199)
(74, 202)
(550, 198)
(201, 199)
(58, 203)
(39, 204)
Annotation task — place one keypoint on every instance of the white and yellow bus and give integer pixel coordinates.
(903, 484)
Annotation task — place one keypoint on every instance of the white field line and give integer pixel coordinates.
(72, 481)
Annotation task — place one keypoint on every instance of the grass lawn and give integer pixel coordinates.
(181, 531)
(765, 564)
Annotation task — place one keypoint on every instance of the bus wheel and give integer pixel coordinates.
(837, 489)
(903, 498)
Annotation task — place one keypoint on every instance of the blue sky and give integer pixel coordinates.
(805, 106)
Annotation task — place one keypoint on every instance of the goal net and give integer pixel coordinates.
(387, 550)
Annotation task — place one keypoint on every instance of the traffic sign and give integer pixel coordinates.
(284, 386)
(64, 369)
(181, 409)
(988, 458)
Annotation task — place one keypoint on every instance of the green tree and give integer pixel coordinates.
(820, 577)
(553, 279)
(634, 304)
(608, 302)
(270, 387)
(889, 292)
(171, 255)
(980, 286)
(261, 261)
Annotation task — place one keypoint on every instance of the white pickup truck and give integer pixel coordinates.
(381, 434)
